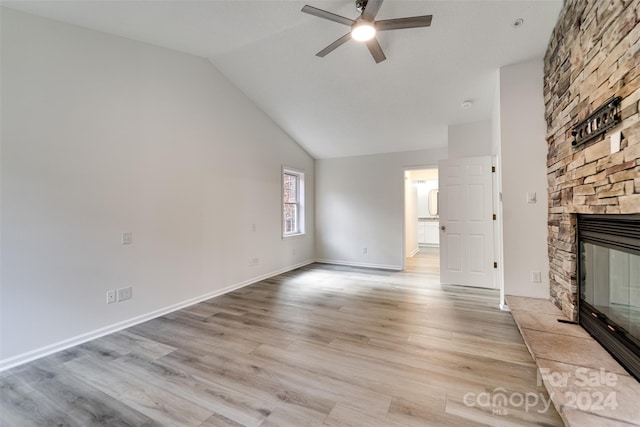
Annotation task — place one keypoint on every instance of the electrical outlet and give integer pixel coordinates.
(254, 261)
(254, 228)
(364, 251)
(536, 277)
(615, 142)
(125, 293)
(127, 238)
(111, 296)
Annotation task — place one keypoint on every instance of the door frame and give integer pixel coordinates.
(497, 229)
(406, 169)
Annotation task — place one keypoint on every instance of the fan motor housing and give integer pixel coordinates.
(361, 4)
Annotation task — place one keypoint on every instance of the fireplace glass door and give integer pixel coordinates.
(612, 286)
(609, 284)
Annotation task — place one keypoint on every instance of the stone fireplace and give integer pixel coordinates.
(593, 55)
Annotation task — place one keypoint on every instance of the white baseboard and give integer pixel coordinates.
(360, 264)
(79, 339)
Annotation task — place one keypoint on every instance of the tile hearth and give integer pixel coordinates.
(587, 386)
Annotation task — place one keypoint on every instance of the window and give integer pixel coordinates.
(292, 202)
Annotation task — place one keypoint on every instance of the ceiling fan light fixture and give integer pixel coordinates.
(364, 28)
(363, 31)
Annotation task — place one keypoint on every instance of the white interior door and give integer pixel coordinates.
(466, 222)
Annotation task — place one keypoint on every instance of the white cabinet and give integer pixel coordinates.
(421, 233)
(432, 233)
(428, 233)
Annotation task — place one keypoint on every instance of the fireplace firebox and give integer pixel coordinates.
(609, 284)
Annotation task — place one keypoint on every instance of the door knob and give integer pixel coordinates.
(443, 228)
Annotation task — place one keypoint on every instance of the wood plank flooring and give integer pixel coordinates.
(319, 346)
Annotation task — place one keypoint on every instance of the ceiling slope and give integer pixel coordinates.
(343, 104)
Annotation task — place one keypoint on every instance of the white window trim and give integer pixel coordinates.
(301, 204)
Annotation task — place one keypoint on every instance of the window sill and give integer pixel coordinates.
(293, 236)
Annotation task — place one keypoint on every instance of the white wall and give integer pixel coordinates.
(470, 139)
(102, 135)
(360, 205)
(410, 216)
(495, 119)
(523, 159)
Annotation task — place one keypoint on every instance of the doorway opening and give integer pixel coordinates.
(422, 236)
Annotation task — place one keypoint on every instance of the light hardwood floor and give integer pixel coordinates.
(319, 346)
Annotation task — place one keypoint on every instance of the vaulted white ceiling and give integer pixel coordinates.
(343, 104)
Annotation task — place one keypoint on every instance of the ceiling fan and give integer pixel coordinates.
(364, 27)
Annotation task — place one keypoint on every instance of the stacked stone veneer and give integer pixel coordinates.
(593, 54)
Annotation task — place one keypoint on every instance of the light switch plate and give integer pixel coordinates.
(532, 198)
(127, 238)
